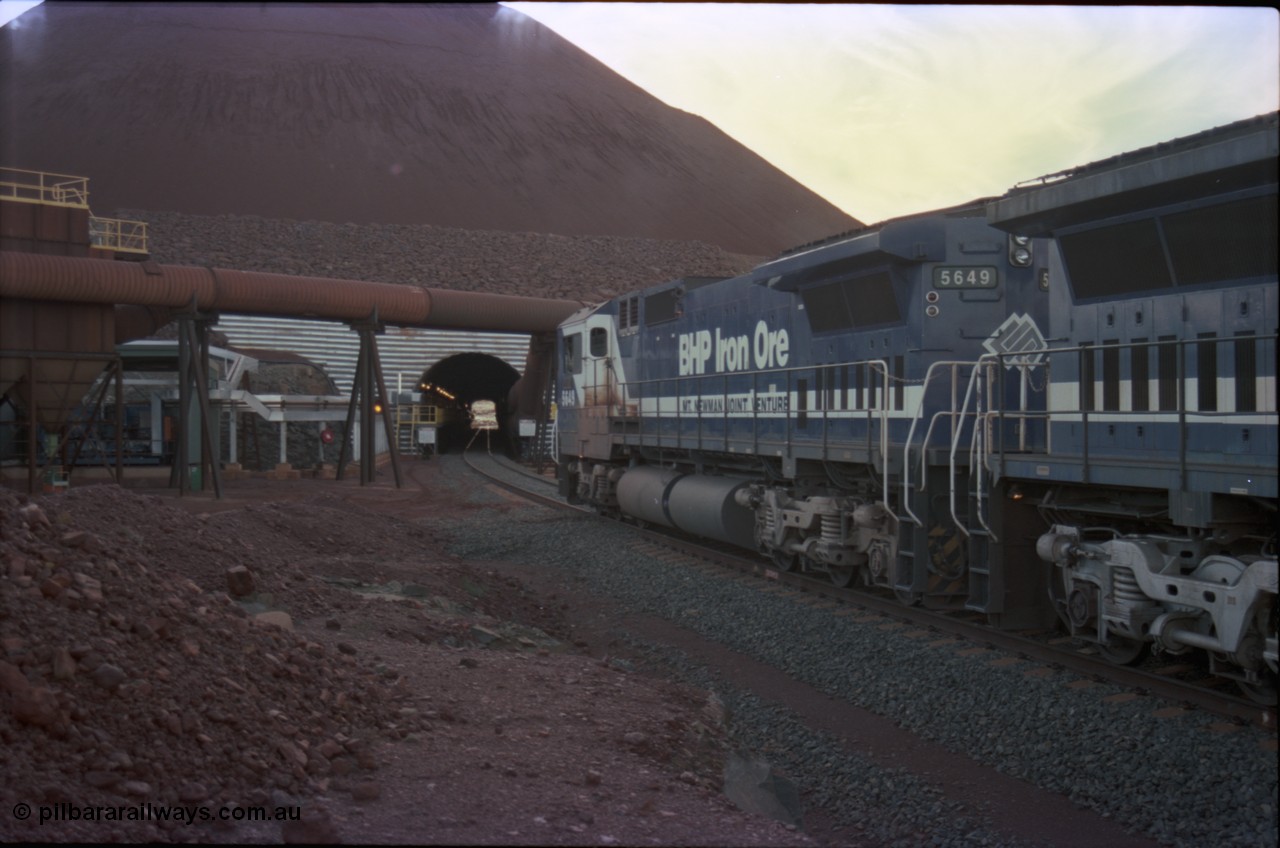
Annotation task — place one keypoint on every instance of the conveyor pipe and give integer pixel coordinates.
(60, 278)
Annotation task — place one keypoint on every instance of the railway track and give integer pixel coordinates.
(1183, 685)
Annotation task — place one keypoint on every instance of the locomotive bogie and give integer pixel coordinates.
(842, 536)
(593, 483)
(1167, 593)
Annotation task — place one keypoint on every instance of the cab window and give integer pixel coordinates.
(599, 341)
(573, 353)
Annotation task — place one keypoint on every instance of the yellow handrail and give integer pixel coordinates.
(65, 190)
(415, 414)
(118, 234)
(43, 187)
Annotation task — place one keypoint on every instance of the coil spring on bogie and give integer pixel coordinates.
(768, 521)
(1125, 587)
(830, 528)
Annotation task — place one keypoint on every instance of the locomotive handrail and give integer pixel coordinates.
(949, 413)
(980, 438)
(985, 360)
(1169, 405)
(978, 441)
(977, 445)
(877, 412)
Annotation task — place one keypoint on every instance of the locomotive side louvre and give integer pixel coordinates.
(785, 410)
(1157, 483)
(1133, 372)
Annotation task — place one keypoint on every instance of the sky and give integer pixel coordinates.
(887, 110)
(10, 9)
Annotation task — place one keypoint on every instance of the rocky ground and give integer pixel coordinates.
(585, 268)
(290, 649)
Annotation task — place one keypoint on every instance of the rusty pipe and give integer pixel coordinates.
(61, 278)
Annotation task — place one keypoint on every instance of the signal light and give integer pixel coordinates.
(1020, 251)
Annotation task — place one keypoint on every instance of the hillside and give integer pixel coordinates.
(462, 116)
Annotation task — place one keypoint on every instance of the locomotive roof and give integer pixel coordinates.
(1231, 157)
(919, 237)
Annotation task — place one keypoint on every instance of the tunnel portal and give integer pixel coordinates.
(469, 377)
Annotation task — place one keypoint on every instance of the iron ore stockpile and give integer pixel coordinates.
(168, 672)
(130, 676)
(1178, 778)
(586, 268)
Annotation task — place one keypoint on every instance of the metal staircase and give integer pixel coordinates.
(544, 448)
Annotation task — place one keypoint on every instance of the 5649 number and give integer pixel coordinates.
(967, 277)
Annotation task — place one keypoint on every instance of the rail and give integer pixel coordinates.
(43, 187)
(1028, 645)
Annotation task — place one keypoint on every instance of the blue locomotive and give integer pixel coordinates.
(940, 403)
(780, 410)
(1158, 475)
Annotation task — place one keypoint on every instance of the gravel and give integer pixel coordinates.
(585, 268)
(1168, 778)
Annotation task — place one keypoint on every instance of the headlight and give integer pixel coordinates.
(1020, 251)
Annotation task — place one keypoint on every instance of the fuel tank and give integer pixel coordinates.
(698, 504)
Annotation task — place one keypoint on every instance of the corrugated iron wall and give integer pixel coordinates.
(403, 350)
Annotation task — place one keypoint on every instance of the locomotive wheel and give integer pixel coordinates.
(908, 599)
(1121, 651)
(1263, 692)
(905, 596)
(783, 560)
(842, 576)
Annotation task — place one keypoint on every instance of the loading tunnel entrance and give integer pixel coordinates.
(53, 276)
(457, 381)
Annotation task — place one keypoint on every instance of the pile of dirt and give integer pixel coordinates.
(131, 675)
(584, 268)
(318, 655)
(471, 116)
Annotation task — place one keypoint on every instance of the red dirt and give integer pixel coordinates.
(427, 714)
(471, 116)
